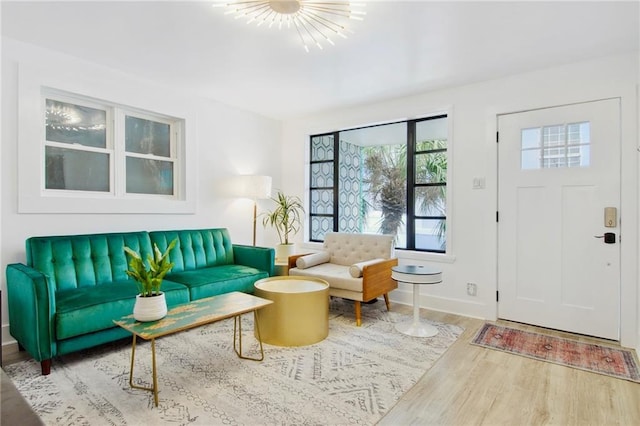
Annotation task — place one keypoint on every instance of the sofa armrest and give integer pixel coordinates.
(32, 310)
(262, 258)
(376, 279)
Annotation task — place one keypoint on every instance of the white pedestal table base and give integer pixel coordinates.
(416, 275)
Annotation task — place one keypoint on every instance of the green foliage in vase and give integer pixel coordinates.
(286, 217)
(150, 279)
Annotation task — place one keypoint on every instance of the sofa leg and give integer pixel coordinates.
(358, 314)
(45, 365)
(386, 301)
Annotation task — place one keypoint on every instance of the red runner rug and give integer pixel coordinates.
(614, 362)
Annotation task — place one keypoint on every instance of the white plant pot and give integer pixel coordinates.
(150, 308)
(283, 251)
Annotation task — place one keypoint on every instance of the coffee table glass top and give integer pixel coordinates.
(193, 314)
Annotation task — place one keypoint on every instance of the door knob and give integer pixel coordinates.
(609, 237)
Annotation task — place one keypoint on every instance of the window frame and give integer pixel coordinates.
(34, 82)
(115, 146)
(412, 153)
(334, 188)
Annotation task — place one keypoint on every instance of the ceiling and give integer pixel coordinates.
(400, 48)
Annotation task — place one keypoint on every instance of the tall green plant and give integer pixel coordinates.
(150, 280)
(286, 218)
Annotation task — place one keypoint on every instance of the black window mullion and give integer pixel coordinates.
(411, 161)
(336, 178)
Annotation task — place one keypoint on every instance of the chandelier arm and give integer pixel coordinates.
(266, 11)
(304, 43)
(249, 10)
(308, 22)
(333, 26)
(247, 7)
(306, 28)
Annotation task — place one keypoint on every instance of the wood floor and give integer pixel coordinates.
(471, 385)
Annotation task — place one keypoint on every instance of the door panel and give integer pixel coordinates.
(558, 169)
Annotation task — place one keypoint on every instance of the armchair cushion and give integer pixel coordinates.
(336, 275)
(355, 270)
(313, 259)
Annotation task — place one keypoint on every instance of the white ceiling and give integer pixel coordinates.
(400, 48)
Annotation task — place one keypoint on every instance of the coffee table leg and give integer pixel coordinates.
(237, 330)
(153, 389)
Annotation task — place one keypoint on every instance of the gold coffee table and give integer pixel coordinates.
(299, 315)
(190, 315)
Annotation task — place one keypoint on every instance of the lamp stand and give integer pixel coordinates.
(255, 211)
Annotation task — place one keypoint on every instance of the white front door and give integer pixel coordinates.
(558, 169)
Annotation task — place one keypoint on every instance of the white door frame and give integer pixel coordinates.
(629, 196)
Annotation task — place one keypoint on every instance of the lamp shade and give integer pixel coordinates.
(254, 187)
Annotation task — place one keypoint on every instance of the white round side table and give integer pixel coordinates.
(417, 276)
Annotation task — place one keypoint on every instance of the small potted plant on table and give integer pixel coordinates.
(151, 304)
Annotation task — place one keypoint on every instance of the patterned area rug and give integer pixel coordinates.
(353, 377)
(614, 362)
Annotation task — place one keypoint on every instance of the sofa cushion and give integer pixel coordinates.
(355, 270)
(196, 248)
(90, 309)
(206, 282)
(336, 275)
(76, 261)
(313, 259)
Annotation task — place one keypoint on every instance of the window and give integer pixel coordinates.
(563, 145)
(102, 148)
(387, 179)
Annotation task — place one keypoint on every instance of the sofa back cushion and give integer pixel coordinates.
(75, 261)
(347, 249)
(196, 248)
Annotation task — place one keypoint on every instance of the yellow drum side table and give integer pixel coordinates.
(299, 315)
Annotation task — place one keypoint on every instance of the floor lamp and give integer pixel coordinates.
(256, 188)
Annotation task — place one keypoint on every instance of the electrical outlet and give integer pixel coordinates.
(472, 289)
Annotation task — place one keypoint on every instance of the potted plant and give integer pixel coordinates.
(151, 304)
(286, 218)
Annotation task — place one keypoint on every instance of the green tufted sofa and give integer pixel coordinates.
(71, 288)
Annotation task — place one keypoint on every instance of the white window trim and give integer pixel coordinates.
(33, 86)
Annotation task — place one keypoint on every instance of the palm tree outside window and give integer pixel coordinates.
(363, 180)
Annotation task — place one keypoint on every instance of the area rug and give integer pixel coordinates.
(614, 362)
(353, 377)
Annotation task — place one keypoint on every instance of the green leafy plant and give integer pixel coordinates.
(286, 217)
(149, 280)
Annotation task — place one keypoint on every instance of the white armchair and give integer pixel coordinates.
(356, 266)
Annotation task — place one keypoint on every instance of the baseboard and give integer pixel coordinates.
(441, 304)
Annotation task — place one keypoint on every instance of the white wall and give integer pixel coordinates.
(228, 142)
(473, 109)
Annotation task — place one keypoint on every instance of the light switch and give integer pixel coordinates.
(478, 183)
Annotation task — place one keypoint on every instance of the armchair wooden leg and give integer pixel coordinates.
(358, 314)
(386, 301)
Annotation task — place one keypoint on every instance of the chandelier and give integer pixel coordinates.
(315, 21)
